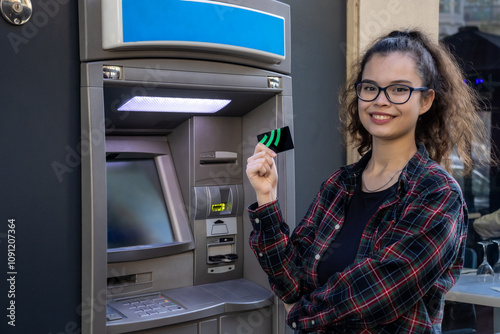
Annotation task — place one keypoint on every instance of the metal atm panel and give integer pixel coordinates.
(208, 153)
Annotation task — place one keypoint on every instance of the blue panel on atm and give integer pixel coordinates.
(201, 22)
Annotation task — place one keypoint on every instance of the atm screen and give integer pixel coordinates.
(137, 212)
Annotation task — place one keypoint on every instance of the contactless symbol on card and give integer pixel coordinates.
(278, 140)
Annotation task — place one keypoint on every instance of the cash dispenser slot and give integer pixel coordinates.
(130, 283)
(221, 252)
(122, 280)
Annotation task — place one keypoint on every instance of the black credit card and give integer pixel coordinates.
(278, 140)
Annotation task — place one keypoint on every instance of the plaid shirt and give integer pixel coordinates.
(410, 254)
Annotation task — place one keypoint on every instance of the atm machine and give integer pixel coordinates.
(173, 95)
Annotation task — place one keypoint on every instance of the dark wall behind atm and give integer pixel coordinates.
(39, 149)
(318, 71)
(40, 170)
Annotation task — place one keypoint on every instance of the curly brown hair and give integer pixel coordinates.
(452, 124)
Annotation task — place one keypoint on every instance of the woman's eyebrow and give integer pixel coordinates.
(401, 81)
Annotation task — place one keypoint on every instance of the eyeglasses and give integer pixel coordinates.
(397, 94)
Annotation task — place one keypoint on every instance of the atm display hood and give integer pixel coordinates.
(245, 89)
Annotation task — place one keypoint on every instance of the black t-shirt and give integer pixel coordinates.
(342, 252)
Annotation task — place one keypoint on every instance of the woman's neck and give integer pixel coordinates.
(385, 165)
(390, 156)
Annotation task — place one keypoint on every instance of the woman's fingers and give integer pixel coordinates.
(262, 161)
(262, 173)
(261, 167)
(263, 148)
(260, 164)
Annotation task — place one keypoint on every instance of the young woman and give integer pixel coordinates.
(384, 239)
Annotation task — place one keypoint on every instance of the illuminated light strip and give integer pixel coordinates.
(173, 104)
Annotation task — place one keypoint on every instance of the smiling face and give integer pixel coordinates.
(384, 120)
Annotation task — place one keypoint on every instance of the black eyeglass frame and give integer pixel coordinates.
(380, 89)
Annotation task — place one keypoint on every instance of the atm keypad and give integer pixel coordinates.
(149, 306)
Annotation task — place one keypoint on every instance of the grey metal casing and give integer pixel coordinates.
(196, 137)
(272, 109)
